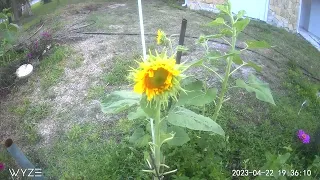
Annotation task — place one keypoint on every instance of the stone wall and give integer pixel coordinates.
(208, 5)
(284, 13)
(212, 1)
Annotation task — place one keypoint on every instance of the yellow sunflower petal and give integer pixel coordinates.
(155, 77)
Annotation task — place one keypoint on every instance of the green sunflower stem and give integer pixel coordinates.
(157, 146)
(227, 73)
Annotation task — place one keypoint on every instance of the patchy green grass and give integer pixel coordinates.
(30, 115)
(101, 21)
(52, 67)
(90, 151)
(10, 57)
(277, 127)
(40, 10)
(287, 46)
(9, 162)
(120, 70)
(76, 61)
(96, 92)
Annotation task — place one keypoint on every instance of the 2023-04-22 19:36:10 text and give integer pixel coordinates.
(270, 173)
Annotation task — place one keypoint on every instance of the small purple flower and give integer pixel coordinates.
(46, 34)
(36, 44)
(2, 166)
(29, 55)
(304, 137)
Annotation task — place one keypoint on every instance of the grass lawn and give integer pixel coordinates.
(55, 117)
(39, 10)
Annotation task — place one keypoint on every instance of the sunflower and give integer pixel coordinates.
(158, 78)
(161, 37)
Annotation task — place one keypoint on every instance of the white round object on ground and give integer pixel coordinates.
(24, 70)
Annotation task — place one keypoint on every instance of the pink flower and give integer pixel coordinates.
(29, 55)
(46, 34)
(2, 166)
(36, 44)
(304, 137)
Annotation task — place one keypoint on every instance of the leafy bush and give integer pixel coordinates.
(8, 35)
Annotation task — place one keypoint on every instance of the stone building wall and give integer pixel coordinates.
(208, 5)
(284, 13)
(212, 1)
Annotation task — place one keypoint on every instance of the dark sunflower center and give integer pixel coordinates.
(158, 79)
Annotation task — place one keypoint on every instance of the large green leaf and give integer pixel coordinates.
(223, 8)
(165, 137)
(195, 95)
(9, 36)
(3, 26)
(147, 107)
(119, 101)
(3, 16)
(226, 32)
(13, 27)
(241, 14)
(191, 84)
(261, 89)
(254, 66)
(125, 94)
(237, 59)
(193, 64)
(139, 113)
(180, 137)
(185, 118)
(217, 22)
(118, 106)
(139, 137)
(258, 44)
(242, 24)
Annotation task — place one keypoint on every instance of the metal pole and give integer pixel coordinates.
(142, 31)
(181, 39)
(21, 159)
(179, 53)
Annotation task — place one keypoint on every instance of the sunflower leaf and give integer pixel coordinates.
(261, 89)
(195, 95)
(139, 113)
(241, 13)
(185, 118)
(217, 22)
(148, 108)
(242, 24)
(139, 138)
(180, 136)
(254, 66)
(223, 8)
(226, 32)
(237, 59)
(119, 101)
